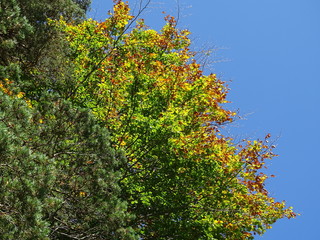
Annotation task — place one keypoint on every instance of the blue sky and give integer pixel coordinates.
(270, 51)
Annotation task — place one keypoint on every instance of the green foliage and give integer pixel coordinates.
(58, 177)
(110, 131)
(13, 29)
(24, 182)
(183, 179)
(32, 52)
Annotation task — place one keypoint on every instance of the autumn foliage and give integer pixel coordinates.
(182, 178)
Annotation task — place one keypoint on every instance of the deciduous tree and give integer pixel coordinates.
(183, 178)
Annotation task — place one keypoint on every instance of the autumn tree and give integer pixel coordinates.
(183, 179)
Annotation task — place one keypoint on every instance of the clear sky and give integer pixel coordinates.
(271, 54)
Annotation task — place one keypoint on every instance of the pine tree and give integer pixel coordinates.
(13, 30)
(59, 177)
(32, 51)
(58, 171)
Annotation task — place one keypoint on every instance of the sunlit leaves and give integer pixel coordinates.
(183, 179)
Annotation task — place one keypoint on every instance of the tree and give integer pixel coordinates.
(97, 114)
(59, 177)
(13, 29)
(32, 52)
(183, 179)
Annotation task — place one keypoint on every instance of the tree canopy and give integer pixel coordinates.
(58, 177)
(121, 133)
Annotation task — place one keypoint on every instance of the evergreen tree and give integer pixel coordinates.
(13, 29)
(32, 51)
(58, 173)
